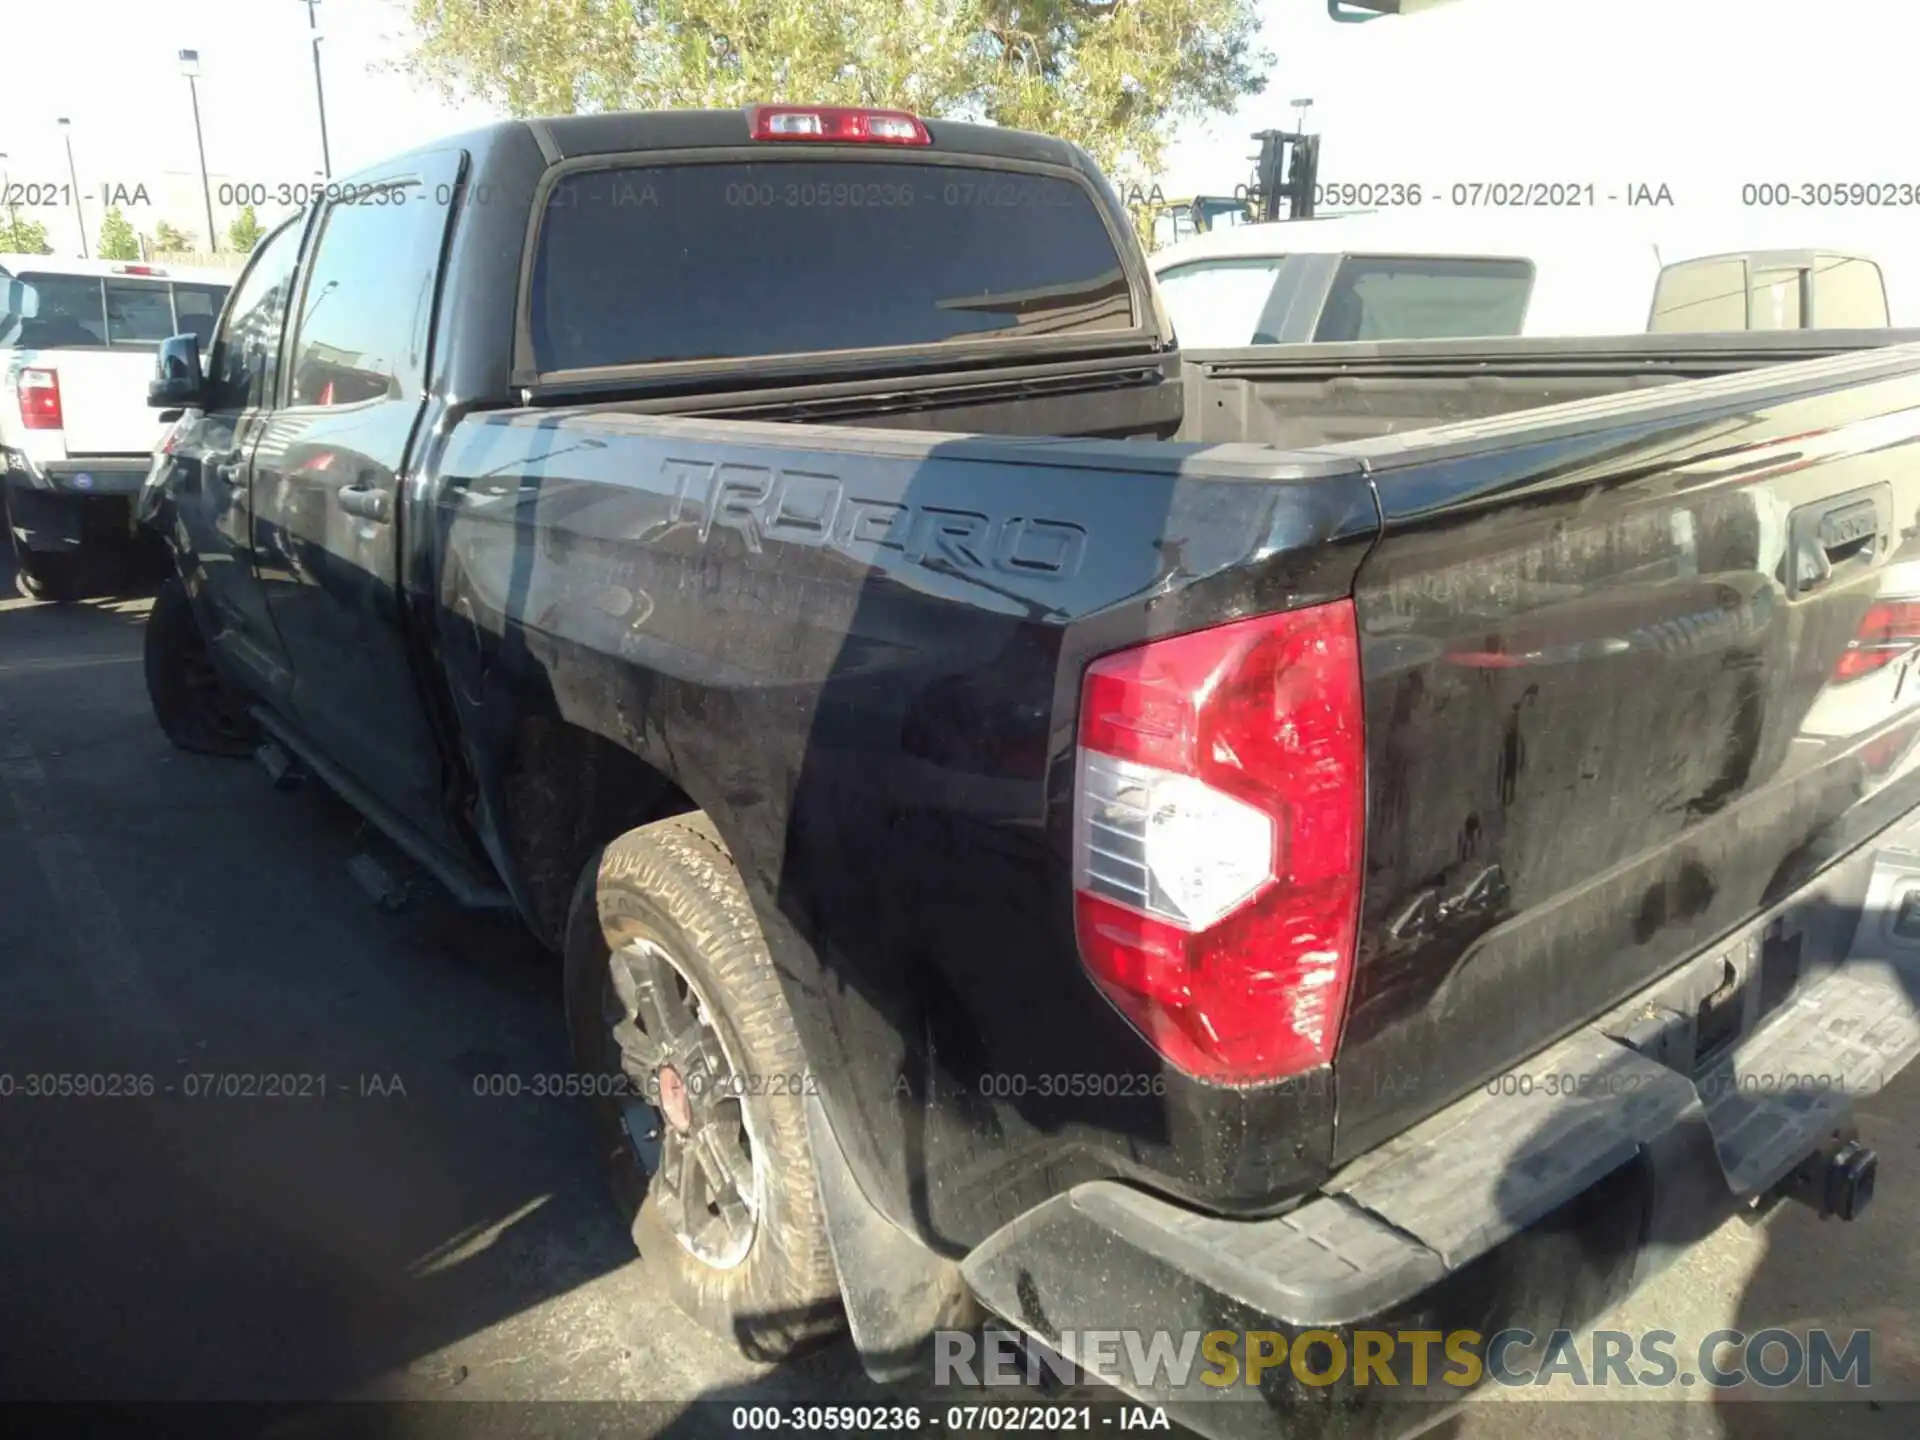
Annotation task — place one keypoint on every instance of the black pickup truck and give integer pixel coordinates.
(1308, 837)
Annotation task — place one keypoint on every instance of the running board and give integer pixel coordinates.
(469, 888)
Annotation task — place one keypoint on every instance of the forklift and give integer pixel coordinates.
(1285, 170)
(1288, 164)
(1177, 220)
(1289, 161)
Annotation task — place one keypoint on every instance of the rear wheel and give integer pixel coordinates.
(43, 576)
(195, 707)
(699, 1088)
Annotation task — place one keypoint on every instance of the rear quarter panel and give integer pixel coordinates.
(860, 652)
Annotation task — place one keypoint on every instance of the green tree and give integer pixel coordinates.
(245, 232)
(1114, 76)
(168, 240)
(117, 240)
(22, 237)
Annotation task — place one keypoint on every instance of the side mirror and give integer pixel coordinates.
(177, 380)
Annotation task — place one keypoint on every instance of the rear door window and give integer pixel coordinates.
(673, 263)
(1217, 304)
(1404, 297)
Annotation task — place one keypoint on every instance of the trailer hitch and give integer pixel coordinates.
(1835, 1180)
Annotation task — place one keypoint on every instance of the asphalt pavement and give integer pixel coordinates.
(292, 1180)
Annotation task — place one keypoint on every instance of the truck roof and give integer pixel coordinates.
(568, 137)
(1560, 236)
(16, 264)
(507, 169)
(1496, 233)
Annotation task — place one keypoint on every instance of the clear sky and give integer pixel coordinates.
(1706, 94)
(110, 66)
(1702, 95)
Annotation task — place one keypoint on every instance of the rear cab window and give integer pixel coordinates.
(1769, 291)
(1849, 293)
(139, 312)
(78, 312)
(1698, 296)
(1405, 297)
(667, 264)
(72, 311)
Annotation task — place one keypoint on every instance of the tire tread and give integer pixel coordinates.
(785, 1293)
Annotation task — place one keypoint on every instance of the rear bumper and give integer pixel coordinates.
(70, 504)
(1536, 1202)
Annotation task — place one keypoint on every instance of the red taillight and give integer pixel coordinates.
(1882, 754)
(1218, 833)
(138, 270)
(1891, 629)
(40, 400)
(836, 123)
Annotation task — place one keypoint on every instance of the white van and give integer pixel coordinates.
(1400, 276)
(77, 340)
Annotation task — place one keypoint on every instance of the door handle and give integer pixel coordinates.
(367, 503)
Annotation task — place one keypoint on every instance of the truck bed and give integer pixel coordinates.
(1289, 396)
(1310, 395)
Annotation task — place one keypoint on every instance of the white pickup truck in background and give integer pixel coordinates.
(1406, 275)
(77, 340)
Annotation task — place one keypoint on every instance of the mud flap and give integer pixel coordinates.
(896, 1291)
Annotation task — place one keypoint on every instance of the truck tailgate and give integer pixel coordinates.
(103, 400)
(1634, 669)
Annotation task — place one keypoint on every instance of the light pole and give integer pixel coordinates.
(79, 215)
(1300, 108)
(6, 193)
(319, 90)
(190, 67)
(325, 290)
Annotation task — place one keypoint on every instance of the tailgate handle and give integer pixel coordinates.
(1838, 535)
(366, 503)
(1849, 529)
